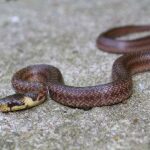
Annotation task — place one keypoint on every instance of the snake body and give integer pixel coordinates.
(35, 83)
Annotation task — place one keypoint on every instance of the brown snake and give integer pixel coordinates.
(34, 83)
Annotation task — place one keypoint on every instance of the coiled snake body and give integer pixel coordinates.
(34, 83)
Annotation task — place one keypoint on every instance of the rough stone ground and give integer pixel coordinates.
(63, 33)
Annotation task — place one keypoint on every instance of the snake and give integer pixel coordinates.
(35, 83)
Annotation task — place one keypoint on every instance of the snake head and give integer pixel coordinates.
(7, 103)
(20, 101)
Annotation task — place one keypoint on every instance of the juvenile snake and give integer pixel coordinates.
(35, 83)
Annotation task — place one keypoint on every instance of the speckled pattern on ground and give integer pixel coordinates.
(62, 33)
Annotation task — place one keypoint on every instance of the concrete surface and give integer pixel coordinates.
(62, 33)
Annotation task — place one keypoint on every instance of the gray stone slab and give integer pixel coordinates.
(62, 33)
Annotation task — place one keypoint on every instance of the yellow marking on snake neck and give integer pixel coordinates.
(15, 108)
(28, 102)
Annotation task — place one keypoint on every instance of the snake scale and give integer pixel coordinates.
(35, 83)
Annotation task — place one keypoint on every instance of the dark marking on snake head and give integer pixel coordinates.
(12, 100)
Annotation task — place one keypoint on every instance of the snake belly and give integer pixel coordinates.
(35, 83)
